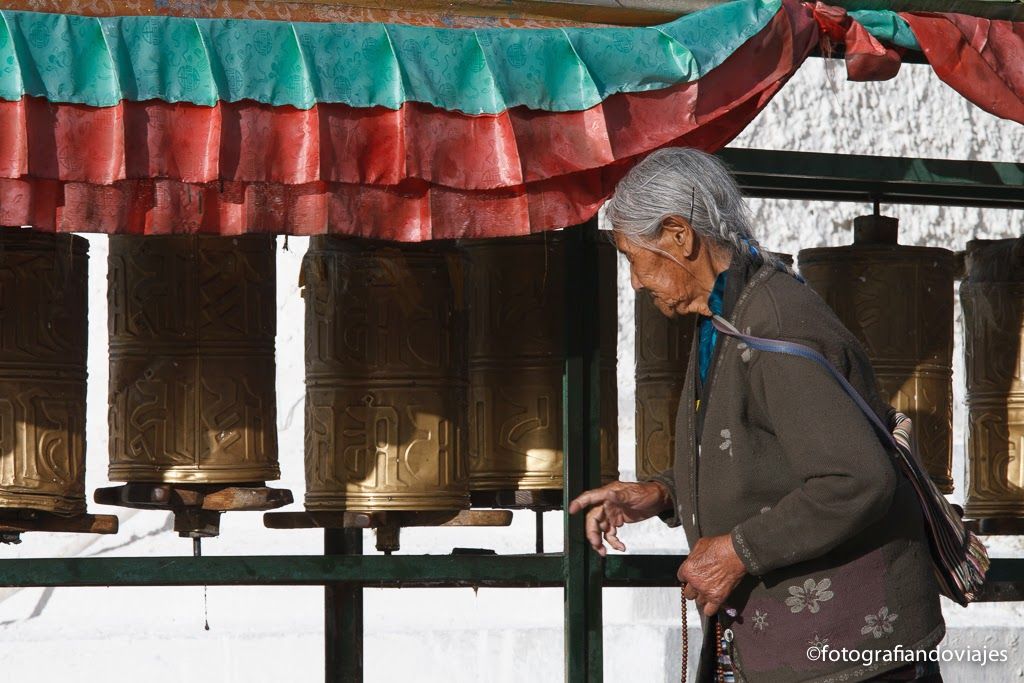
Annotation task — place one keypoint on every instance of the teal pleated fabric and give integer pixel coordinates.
(887, 26)
(101, 61)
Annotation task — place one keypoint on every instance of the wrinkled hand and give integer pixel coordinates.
(711, 572)
(616, 504)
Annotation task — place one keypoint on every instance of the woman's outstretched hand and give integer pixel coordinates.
(711, 572)
(616, 504)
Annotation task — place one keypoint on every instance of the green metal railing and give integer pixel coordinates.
(1005, 578)
(889, 180)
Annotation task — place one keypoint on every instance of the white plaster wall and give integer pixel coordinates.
(458, 635)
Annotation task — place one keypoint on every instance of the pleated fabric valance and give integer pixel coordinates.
(159, 124)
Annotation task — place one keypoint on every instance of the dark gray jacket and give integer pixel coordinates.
(830, 532)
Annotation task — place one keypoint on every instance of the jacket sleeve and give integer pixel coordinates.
(668, 480)
(848, 477)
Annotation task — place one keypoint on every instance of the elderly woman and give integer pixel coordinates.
(804, 537)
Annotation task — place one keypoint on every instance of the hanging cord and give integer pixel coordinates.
(719, 654)
(686, 635)
(720, 673)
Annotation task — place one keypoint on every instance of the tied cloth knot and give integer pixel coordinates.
(867, 59)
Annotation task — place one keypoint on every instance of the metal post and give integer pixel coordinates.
(539, 531)
(581, 413)
(343, 614)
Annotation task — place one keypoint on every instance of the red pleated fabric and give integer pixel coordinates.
(982, 59)
(414, 174)
(866, 58)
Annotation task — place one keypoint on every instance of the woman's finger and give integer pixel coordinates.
(683, 574)
(612, 536)
(711, 608)
(593, 528)
(689, 592)
(586, 499)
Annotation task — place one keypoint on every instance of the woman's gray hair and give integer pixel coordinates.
(684, 182)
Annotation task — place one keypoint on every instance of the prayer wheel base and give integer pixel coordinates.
(14, 522)
(196, 507)
(408, 501)
(518, 499)
(373, 520)
(387, 524)
(59, 506)
(996, 526)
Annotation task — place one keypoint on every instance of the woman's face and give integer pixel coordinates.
(676, 268)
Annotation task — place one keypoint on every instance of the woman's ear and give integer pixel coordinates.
(681, 237)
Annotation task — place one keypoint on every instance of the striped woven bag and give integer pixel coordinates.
(958, 556)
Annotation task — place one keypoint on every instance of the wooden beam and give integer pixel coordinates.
(648, 12)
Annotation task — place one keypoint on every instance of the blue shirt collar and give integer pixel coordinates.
(716, 301)
(707, 334)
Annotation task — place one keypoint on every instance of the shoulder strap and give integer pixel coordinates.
(795, 349)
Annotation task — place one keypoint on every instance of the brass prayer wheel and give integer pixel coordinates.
(516, 297)
(898, 301)
(43, 345)
(385, 377)
(192, 321)
(662, 352)
(992, 295)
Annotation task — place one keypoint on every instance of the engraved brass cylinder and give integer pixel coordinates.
(516, 294)
(898, 301)
(43, 337)
(192, 321)
(385, 377)
(992, 295)
(663, 348)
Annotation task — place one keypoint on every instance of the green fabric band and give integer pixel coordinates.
(101, 61)
(887, 26)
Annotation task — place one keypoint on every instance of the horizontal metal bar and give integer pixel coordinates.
(839, 52)
(1004, 581)
(889, 180)
(287, 570)
(642, 570)
(1005, 577)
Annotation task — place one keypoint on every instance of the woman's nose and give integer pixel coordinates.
(634, 280)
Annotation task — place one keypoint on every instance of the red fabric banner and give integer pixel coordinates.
(982, 59)
(413, 174)
(421, 172)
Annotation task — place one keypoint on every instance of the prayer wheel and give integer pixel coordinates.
(662, 354)
(385, 377)
(516, 297)
(43, 337)
(192, 321)
(898, 301)
(992, 295)
(663, 348)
